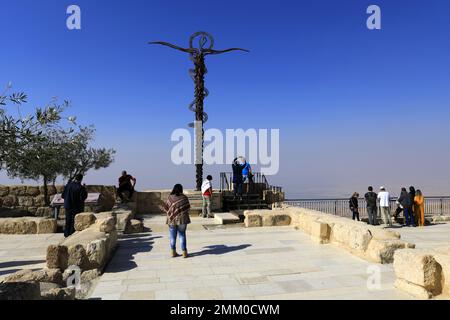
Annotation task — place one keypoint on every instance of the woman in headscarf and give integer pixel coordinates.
(405, 201)
(177, 209)
(419, 208)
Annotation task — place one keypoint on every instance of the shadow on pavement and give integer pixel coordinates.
(219, 249)
(128, 247)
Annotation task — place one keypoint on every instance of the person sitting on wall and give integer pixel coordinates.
(74, 196)
(126, 184)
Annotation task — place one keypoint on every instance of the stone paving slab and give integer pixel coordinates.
(18, 252)
(238, 263)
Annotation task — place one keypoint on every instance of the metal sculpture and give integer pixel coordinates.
(197, 55)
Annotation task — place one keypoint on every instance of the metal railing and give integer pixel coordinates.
(226, 182)
(340, 207)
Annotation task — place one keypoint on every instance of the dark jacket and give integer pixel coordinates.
(353, 203)
(74, 195)
(405, 200)
(371, 199)
(237, 172)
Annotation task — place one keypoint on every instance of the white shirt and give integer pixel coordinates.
(206, 185)
(384, 199)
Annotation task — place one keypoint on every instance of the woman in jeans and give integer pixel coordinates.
(177, 208)
(353, 203)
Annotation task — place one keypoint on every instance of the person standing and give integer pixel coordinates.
(412, 195)
(405, 201)
(126, 183)
(353, 202)
(238, 178)
(207, 193)
(371, 200)
(246, 173)
(385, 199)
(177, 209)
(419, 208)
(74, 195)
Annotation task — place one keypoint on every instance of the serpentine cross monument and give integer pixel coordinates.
(197, 55)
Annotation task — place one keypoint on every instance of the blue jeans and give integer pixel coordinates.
(237, 188)
(181, 231)
(409, 217)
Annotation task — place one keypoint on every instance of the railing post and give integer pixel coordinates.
(442, 207)
(335, 207)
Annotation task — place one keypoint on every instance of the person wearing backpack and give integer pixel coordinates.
(371, 200)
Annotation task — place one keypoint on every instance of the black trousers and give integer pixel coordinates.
(124, 188)
(355, 214)
(70, 221)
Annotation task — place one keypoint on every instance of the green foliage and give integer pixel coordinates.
(38, 146)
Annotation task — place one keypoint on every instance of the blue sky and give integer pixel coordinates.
(354, 106)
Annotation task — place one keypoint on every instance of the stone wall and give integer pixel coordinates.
(368, 242)
(19, 201)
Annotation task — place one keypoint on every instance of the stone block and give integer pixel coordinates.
(84, 221)
(46, 225)
(106, 225)
(97, 254)
(39, 201)
(78, 257)
(32, 191)
(25, 201)
(419, 268)
(4, 191)
(10, 201)
(134, 226)
(18, 226)
(45, 275)
(57, 257)
(18, 190)
(320, 232)
(44, 212)
(59, 294)
(252, 220)
(412, 289)
(20, 291)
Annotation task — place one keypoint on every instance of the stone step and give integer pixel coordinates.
(226, 218)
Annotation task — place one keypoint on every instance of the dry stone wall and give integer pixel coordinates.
(20, 201)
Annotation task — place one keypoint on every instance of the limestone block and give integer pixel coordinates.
(4, 191)
(252, 220)
(97, 253)
(380, 234)
(46, 225)
(44, 212)
(18, 226)
(412, 289)
(123, 216)
(18, 190)
(419, 268)
(382, 251)
(32, 191)
(45, 275)
(359, 238)
(134, 226)
(275, 219)
(106, 225)
(57, 257)
(444, 261)
(59, 189)
(90, 275)
(84, 221)
(10, 201)
(320, 231)
(20, 291)
(78, 257)
(32, 210)
(39, 201)
(59, 294)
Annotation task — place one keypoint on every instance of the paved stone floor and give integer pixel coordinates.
(18, 252)
(238, 263)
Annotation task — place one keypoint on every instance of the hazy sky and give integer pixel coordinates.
(354, 106)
